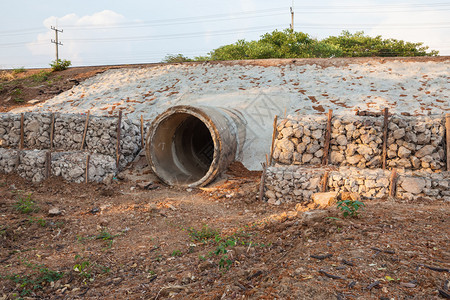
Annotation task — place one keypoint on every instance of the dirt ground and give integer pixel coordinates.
(133, 240)
(130, 240)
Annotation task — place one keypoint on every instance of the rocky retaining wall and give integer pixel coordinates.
(32, 164)
(414, 143)
(68, 130)
(284, 184)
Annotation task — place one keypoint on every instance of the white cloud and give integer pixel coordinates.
(77, 31)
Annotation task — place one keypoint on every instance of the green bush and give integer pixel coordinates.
(60, 65)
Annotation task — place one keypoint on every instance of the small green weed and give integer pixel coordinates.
(350, 208)
(82, 267)
(176, 253)
(104, 235)
(35, 281)
(204, 234)
(25, 204)
(40, 221)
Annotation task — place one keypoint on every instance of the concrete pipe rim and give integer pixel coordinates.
(154, 160)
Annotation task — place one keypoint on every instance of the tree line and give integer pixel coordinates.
(292, 44)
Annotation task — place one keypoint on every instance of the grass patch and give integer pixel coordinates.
(25, 204)
(204, 234)
(40, 221)
(104, 235)
(176, 253)
(19, 70)
(39, 277)
(41, 76)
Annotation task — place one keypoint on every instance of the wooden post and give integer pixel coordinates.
(326, 148)
(22, 131)
(325, 181)
(86, 176)
(273, 138)
(267, 160)
(142, 132)
(48, 164)
(52, 131)
(85, 129)
(447, 132)
(263, 180)
(119, 124)
(393, 183)
(385, 137)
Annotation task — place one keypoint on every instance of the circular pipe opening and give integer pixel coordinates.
(185, 149)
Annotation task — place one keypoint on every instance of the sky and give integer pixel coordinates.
(107, 32)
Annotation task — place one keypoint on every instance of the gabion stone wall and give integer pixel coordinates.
(68, 130)
(37, 131)
(369, 183)
(300, 141)
(416, 143)
(72, 166)
(31, 165)
(9, 160)
(9, 130)
(291, 183)
(356, 141)
(413, 143)
(295, 184)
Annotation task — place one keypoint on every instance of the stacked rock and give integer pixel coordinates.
(37, 130)
(300, 140)
(356, 141)
(416, 143)
(32, 165)
(9, 159)
(369, 183)
(130, 143)
(291, 183)
(72, 166)
(101, 135)
(68, 132)
(10, 130)
(434, 185)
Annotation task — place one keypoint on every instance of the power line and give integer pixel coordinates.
(405, 7)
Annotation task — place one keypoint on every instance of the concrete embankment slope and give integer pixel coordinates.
(261, 89)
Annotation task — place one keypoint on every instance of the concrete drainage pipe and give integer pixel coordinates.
(189, 146)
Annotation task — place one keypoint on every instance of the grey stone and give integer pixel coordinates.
(287, 132)
(317, 134)
(399, 133)
(425, 150)
(353, 160)
(307, 158)
(403, 152)
(341, 140)
(413, 185)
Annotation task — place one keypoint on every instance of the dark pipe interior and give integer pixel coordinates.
(185, 150)
(193, 146)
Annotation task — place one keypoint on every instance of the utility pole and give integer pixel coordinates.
(56, 42)
(292, 16)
